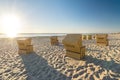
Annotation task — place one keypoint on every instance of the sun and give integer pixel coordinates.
(11, 24)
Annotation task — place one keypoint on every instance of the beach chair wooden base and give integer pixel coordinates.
(75, 55)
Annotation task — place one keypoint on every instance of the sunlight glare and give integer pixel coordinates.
(11, 25)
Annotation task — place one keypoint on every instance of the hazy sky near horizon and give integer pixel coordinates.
(65, 16)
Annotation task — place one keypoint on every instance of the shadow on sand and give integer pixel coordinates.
(106, 65)
(38, 69)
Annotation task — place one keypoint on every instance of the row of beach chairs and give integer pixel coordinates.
(72, 43)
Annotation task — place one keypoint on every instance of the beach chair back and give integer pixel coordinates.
(73, 46)
(73, 42)
(89, 37)
(54, 40)
(84, 37)
(101, 39)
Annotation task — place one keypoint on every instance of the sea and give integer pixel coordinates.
(34, 35)
(42, 34)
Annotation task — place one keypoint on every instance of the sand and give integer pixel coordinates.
(50, 63)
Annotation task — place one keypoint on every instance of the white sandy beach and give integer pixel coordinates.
(50, 63)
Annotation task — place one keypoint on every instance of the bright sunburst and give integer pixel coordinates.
(11, 24)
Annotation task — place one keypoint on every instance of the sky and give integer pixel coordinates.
(64, 16)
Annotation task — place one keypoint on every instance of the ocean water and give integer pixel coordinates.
(34, 35)
(45, 34)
